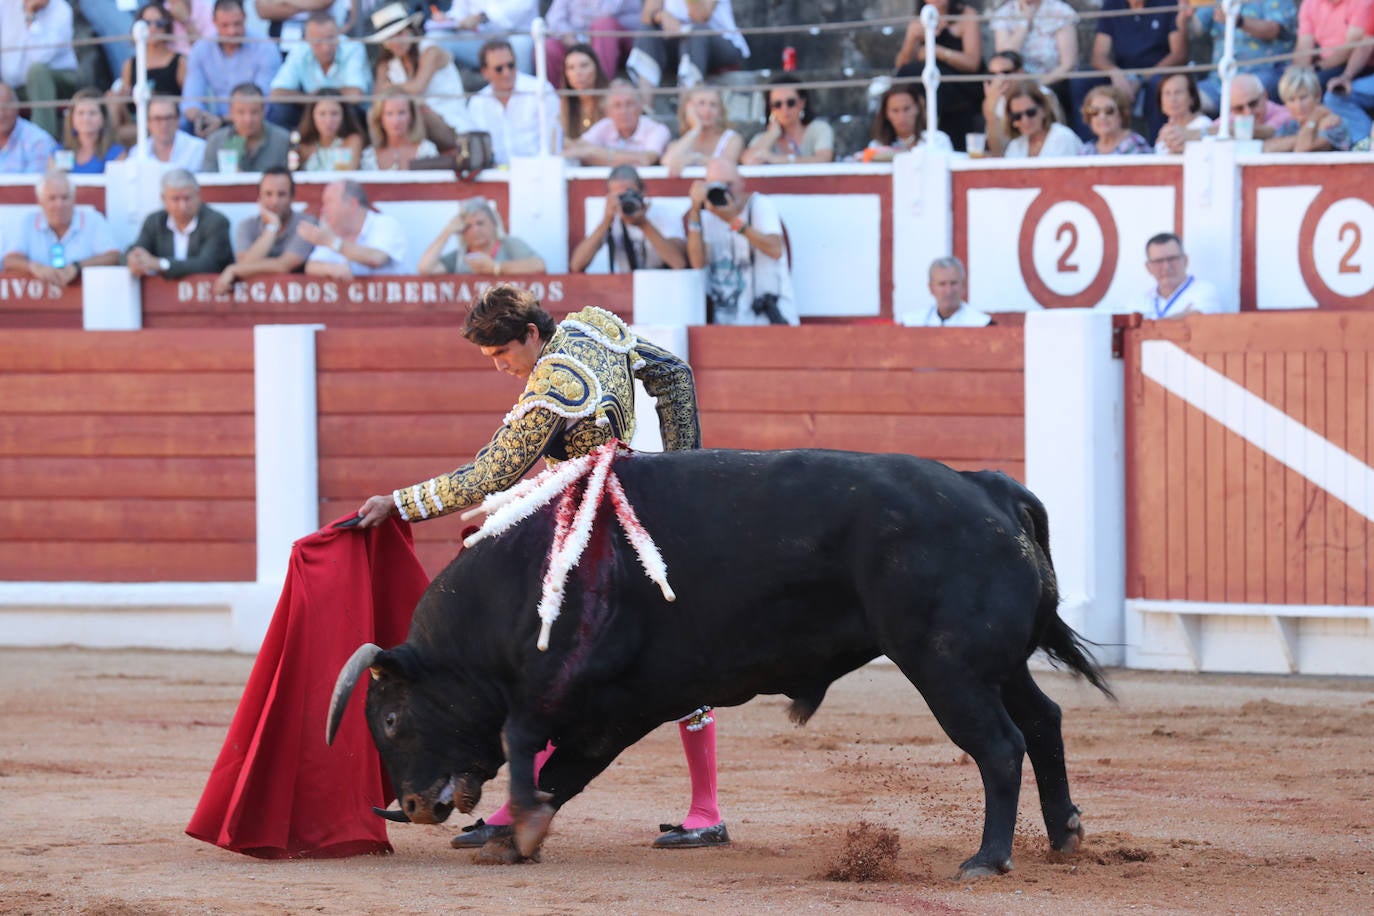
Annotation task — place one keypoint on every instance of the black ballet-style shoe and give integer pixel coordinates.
(475, 836)
(676, 836)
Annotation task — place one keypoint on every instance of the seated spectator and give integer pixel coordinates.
(288, 21)
(215, 67)
(398, 136)
(626, 136)
(331, 137)
(475, 22)
(1007, 70)
(24, 147)
(352, 239)
(1314, 129)
(1045, 34)
(1181, 104)
(1350, 94)
(269, 242)
(899, 125)
(958, 52)
(323, 62)
(1148, 38)
(685, 44)
(1249, 98)
(1329, 34)
(738, 238)
(185, 237)
(637, 233)
(483, 246)
(55, 244)
(87, 135)
(420, 68)
(166, 70)
(36, 56)
(167, 144)
(949, 286)
(704, 133)
(1264, 29)
(582, 107)
(1175, 292)
(258, 145)
(570, 23)
(1032, 127)
(792, 134)
(507, 107)
(1106, 111)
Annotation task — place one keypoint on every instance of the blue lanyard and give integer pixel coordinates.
(1160, 313)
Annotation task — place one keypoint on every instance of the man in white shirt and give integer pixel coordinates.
(949, 286)
(36, 56)
(58, 241)
(352, 239)
(167, 144)
(1176, 292)
(634, 234)
(508, 106)
(626, 136)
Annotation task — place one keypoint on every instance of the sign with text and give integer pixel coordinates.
(26, 302)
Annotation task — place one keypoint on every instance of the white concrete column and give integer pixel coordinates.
(1211, 212)
(132, 191)
(1075, 463)
(673, 338)
(111, 299)
(670, 297)
(539, 207)
(922, 224)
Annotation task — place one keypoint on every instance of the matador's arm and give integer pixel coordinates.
(669, 379)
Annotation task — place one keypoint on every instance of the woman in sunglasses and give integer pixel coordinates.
(792, 133)
(166, 70)
(1031, 125)
(900, 125)
(1106, 111)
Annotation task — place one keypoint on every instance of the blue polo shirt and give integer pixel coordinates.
(1140, 39)
(28, 149)
(301, 71)
(87, 236)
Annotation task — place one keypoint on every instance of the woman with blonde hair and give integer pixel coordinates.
(87, 134)
(582, 105)
(1314, 128)
(1031, 126)
(398, 134)
(420, 67)
(704, 134)
(483, 246)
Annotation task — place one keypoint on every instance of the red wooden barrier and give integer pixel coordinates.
(29, 303)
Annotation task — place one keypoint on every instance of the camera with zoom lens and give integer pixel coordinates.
(631, 202)
(767, 304)
(718, 194)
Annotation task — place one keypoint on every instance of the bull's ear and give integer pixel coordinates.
(386, 664)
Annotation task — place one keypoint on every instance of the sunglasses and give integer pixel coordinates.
(158, 23)
(1027, 113)
(1247, 106)
(1000, 72)
(502, 68)
(788, 103)
(1105, 111)
(1166, 259)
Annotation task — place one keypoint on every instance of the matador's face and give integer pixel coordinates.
(514, 357)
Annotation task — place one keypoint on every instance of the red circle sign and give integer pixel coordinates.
(1097, 289)
(1307, 261)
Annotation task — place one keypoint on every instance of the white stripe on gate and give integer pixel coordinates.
(1261, 424)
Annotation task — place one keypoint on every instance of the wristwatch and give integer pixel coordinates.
(164, 265)
(337, 245)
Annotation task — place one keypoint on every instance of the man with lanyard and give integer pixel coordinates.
(57, 242)
(635, 232)
(1176, 292)
(552, 422)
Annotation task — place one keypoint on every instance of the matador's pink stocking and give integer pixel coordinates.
(501, 816)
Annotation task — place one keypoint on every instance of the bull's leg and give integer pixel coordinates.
(530, 810)
(1039, 719)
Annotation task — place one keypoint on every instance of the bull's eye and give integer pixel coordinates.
(390, 723)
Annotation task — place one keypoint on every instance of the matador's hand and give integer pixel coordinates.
(376, 510)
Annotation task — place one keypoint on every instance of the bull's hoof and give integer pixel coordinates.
(973, 868)
(1073, 836)
(531, 827)
(502, 851)
(477, 835)
(679, 837)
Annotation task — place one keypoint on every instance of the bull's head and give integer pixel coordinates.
(439, 742)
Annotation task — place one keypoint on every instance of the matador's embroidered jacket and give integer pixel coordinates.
(579, 395)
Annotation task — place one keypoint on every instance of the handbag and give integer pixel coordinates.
(472, 153)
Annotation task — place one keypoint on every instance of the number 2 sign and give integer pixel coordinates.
(1333, 249)
(1068, 248)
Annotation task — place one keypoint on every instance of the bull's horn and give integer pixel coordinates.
(397, 816)
(343, 687)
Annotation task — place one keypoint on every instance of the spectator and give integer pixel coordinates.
(191, 21)
(704, 133)
(949, 286)
(38, 62)
(1314, 129)
(352, 238)
(739, 240)
(324, 61)
(1175, 292)
(331, 137)
(420, 68)
(398, 136)
(483, 246)
(626, 136)
(166, 69)
(1148, 38)
(1106, 111)
(1007, 70)
(899, 125)
(216, 67)
(1249, 98)
(24, 147)
(257, 145)
(59, 241)
(581, 106)
(87, 135)
(185, 237)
(474, 23)
(1045, 34)
(1181, 104)
(269, 242)
(792, 133)
(508, 106)
(570, 23)
(958, 52)
(1350, 94)
(1032, 127)
(1264, 29)
(635, 232)
(1329, 32)
(288, 21)
(168, 144)
(685, 44)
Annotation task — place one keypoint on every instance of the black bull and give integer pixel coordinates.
(791, 569)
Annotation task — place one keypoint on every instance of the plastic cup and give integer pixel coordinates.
(64, 159)
(977, 144)
(228, 160)
(1244, 127)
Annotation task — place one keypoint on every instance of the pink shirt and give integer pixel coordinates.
(1275, 115)
(1328, 22)
(649, 137)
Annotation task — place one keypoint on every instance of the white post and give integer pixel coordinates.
(541, 73)
(670, 297)
(930, 74)
(1211, 212)
(922, 223)
(1226, 67)
(141, 92)
(539, 207)
(1075, 463)
(111, 299)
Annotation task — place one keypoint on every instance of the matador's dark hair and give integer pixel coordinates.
(504, 313)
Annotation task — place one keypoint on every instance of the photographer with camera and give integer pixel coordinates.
(738, 237)
(626, 136)
(636, 233)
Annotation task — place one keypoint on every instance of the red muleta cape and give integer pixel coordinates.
(277, 790)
